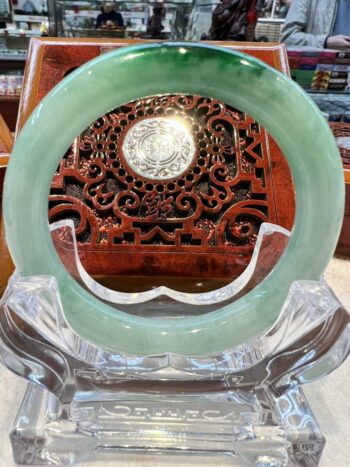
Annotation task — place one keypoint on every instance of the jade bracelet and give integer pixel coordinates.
(131, 73)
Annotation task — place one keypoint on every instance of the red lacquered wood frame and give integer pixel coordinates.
(341, 130)
(48, 62)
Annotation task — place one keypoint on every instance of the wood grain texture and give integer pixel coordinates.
(9, 109)
(6, 266)
(342, 130)
(201, 223)
(221, 248)
(205, 248)
(6, 137)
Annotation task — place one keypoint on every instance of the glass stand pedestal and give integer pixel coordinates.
(245, 405)
(234, 427)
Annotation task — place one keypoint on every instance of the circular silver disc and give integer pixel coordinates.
(343, 142)
(159, 148)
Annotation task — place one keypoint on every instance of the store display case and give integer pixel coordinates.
(29, 19)
(271, 18)
(325, 75)
(20, 20)
(275, 9)
(12, 64)
(5, 13)
(70, 18)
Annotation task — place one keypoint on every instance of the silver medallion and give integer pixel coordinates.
(159, 148)
(343, 142)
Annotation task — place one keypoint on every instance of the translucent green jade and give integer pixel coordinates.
(135, 72)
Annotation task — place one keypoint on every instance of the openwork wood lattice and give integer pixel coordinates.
(341, 132)
(154, 223)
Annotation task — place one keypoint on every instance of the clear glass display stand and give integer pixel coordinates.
(245, 404)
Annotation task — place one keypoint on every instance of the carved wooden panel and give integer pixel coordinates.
(215, 205)
(341, 132)
(137, 219)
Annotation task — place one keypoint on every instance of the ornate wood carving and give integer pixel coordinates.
(202, 223)
(341, 132)
(215, 206)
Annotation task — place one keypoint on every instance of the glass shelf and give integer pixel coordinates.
(69, 18)
(5, 12)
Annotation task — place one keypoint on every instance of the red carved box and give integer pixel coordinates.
(197, 214)
(341, 132)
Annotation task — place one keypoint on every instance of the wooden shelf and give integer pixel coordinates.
(9, 110)
(9, 98)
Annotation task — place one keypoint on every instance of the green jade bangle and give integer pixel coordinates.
(135, 72)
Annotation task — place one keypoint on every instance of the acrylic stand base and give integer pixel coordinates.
(240, 428)
(242, 407)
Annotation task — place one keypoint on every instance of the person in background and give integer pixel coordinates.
(230, 19)
(318, 23)
(109, 18)
(154, 23)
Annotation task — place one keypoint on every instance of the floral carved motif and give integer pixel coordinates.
(341, 132)
(207, 190)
